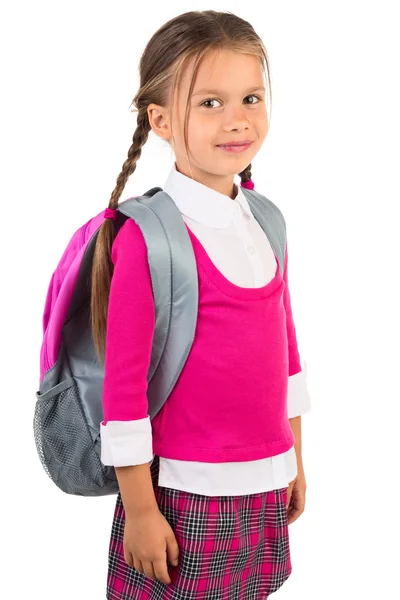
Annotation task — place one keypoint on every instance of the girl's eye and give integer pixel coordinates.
(215, 100)
(209, 100)
(253, 96)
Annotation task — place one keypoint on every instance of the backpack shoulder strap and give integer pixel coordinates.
(175, 288)
(271, 221)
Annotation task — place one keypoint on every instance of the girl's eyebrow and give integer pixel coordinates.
(219, 92)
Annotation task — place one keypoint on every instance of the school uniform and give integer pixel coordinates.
(221, 448)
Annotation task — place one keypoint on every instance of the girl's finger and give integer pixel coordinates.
(148, 569)
(138, 565)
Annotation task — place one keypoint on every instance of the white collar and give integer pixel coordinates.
(201, 203)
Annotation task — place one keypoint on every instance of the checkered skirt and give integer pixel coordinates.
(230, 547)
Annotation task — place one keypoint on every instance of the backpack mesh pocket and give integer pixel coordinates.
(64, 442)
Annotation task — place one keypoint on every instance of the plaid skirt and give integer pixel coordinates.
(230, 547)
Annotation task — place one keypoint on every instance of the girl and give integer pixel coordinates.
(205, 516)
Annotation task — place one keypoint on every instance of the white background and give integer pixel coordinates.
(330, 162)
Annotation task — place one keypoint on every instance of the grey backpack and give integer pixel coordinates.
(68, 408)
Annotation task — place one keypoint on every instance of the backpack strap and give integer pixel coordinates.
(175, 288)
(271, 220)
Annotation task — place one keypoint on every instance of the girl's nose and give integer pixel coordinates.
(236, 118)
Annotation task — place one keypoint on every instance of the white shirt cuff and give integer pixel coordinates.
(298, 398)
(126, 443)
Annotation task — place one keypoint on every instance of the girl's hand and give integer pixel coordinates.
(148, 541)
(296, 496)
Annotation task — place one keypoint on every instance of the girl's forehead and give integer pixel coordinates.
(225, 70)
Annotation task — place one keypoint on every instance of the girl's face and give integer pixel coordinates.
(228, 104)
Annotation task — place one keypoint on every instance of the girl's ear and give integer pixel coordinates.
(159, 120)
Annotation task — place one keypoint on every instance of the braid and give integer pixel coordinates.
(245, 175)
(139, 139)
(102, 267)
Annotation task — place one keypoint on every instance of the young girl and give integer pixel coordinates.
(206, 515)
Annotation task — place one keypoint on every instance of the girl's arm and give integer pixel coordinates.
(298, 396)
(136, 487)
(126, 432)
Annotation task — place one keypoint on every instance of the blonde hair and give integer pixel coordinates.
(187, 36)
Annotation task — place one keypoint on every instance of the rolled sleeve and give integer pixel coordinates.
(298, 398)
(126, 443)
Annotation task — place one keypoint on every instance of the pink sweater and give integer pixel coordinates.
(227, 405)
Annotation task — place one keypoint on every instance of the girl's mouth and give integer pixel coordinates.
(235, 148)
